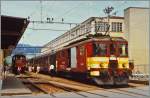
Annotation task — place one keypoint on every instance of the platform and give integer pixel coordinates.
(11, 86)
(139, 92)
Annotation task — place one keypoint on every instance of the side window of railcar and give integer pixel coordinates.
(123, 50)
(82, 50)
(99, 49)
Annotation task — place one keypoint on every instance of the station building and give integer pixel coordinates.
(137, 33)
(12, 29)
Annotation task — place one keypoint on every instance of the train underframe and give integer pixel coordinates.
(112, 78)
(16, 71)
(104, 78)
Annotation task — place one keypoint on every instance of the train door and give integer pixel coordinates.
(69, 58)
(113, 64)
(81, 58)
(52, 60)
(73, 57)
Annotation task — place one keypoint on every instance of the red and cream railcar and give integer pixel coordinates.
(103, 59)
(18, 63)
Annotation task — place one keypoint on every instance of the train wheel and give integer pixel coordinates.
(100, 81)
(121, 81)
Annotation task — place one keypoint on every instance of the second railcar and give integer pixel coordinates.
(18, 63)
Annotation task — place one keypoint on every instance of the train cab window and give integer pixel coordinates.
(13, 58)
(112, 49)
(123, 51)
(99, 49)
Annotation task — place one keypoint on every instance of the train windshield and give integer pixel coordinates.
(99, 49)
(123, 50)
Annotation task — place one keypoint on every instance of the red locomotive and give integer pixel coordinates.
(18, 63)
(103, 59)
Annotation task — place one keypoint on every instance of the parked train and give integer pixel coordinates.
(103, 59)
(18, 63)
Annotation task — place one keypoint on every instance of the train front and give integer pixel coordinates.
(18, 63)
(109, 64)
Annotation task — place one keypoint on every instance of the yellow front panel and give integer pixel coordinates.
(94, 73)
(97, 62)
(123, 62)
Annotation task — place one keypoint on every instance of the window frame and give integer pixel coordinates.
(106, 49)
(126, 49)
(116, 26)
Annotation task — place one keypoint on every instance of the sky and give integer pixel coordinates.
(70, 11)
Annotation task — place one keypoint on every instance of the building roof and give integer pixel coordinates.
(136, 8)
(12, 28)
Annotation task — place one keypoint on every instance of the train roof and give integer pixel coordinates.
(85, 40)
(18, 55)
(99, 38)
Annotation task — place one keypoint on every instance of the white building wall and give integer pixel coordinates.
(88, 27)
(117, 34)
(137, 33)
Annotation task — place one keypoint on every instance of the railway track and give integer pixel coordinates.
(77, 87)
(40, 87)
(36, 82)
(133, 93)
(113, 90)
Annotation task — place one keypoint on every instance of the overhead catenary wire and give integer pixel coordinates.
(49, 29)
(41, 7)
(50, 8)
(51, 22)
(68, 11)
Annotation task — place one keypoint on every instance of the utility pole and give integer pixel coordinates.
(48, 20)
(41, 10)
(107, 11)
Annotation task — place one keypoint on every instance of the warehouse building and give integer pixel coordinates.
(137, 33)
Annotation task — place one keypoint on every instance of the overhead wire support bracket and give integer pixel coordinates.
(51, 22)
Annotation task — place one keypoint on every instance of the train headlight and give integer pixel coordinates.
(95, 66)
(125, 65)
(103, 65)
(88, 68)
